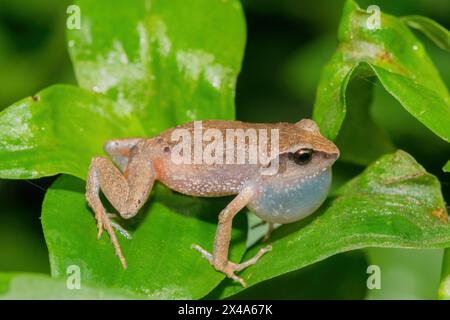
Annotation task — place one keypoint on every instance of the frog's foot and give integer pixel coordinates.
(230, 267)
(104, 222)
(118, 227)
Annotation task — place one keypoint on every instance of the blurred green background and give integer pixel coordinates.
(288, 42)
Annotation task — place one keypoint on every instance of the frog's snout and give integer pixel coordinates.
(333, 152)
(332, 156)
(329, 158)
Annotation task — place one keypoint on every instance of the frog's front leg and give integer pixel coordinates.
(219, 258)
(126, 192)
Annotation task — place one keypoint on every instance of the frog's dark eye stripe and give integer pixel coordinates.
(302, 156)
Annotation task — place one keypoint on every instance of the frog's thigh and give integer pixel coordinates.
(119, 151)
(126, 194)
(104, 176)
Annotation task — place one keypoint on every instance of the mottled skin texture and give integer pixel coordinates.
(295, 190)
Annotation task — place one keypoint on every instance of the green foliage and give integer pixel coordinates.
(447, 167)
(40, 286)
(444, 289)
(32, 47)
(57, 131)
(393, 55)
(162, 64)
(145, 68)
(406, 274)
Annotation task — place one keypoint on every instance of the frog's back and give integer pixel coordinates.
(226, 174)
(288, 133)
(196, 175)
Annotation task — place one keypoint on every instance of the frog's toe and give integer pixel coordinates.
(104, 222)
(252, 261)
(237, 279)
(118, 227)
(205, 254)
(99, 227)
(230, 268)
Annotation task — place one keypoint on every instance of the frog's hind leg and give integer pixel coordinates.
(126, 193)
(102, 170)
(219, 258)
(270, 227)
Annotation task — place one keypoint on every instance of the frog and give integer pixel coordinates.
(296, 187)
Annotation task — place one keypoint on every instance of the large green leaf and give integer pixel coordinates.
(444, 289)
(164, 62)
(161, 263)
(394, 56)
(31, 286)
(393, 203)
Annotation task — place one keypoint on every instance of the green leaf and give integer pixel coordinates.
(432, 29)
(353, 136)
(394, 56)
(393, 203)
(161, 263)
(57, 131)
(405, 274)
(36, 56)
(29, 286)
(447, 167)
(164, 62)
(444, 288)
(407, 133)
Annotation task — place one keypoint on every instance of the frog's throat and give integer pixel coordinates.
(293, 200)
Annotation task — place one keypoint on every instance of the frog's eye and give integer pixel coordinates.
(302, 156)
